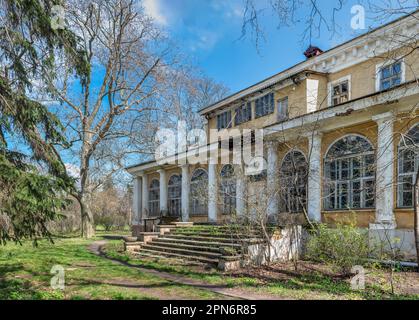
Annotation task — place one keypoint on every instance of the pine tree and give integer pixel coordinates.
(33, 178)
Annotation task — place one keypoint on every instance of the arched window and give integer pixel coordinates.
(228, 189)
(154, 198)
(350, 174)
(408, 166)
(293, 181)
(199, 192)
(175, 195)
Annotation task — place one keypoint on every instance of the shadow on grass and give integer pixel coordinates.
(274, 280)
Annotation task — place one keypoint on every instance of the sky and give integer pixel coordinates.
(209, 33)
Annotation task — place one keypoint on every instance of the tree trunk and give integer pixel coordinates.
(416, 216)
(88, 229)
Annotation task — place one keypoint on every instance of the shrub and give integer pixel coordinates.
(342, 247)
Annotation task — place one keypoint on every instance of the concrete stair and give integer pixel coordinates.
(214, 245)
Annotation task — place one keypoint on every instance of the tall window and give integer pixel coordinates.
(264, 105)
(282, 108)
(340, 93)
(154, 198)
(199, 192)
(350, 174)
(408, 166)
(243, 114)
(228, 189)
(293, 181)
(175, 195)
(224, 120)
(390, 75)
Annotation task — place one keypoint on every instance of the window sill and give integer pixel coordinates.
(349, 210)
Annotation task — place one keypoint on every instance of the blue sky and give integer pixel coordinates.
(209, 31)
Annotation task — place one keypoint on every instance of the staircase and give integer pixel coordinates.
(219, 246)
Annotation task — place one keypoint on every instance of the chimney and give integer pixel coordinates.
(312, 52)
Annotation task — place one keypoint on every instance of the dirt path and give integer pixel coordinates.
(229, 293)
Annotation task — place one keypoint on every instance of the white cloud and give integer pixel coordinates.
(153, 9)
(72, 170)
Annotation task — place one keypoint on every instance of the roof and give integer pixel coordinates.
(293, 69)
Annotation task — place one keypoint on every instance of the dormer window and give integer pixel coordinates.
(282, 108)
(243, 114)
(340, 93)
(264, 105)
(224, 120)
(391, 76)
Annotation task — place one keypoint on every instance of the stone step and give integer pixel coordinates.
(214, 234)
(182, 251)
(206, 238)
(154, 253)
(190, 246)
(160, 255)
(168, 239)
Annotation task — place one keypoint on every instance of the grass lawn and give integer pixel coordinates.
(25, 274)
(310, 281)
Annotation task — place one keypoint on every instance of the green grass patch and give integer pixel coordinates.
(307, 285)
(25, 273)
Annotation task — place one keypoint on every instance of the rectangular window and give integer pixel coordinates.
(264, 105)
(243, 114)
(391, 75)
(340, 93)
(282, 108)
(224, 120)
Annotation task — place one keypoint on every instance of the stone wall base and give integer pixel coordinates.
(393, 244)
(136, 230)
(286, 244)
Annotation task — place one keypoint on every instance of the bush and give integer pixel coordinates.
(342, 247)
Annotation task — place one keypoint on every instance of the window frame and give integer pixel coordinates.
(335, 83)
(154, 202)
(227, 190)
(174, 202)
(280, 115)
(288, 199)
(241, 111)
(378, 72)
(400, 175)
(203, 205)
(265, 108)
(224, 118)
(349, 180)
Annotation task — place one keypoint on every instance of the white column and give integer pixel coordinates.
(145, 196)
(272, 178)
(136, 198)
(384, 203)
(212, 191)
(240, 191)
(186, 186)
(163, 190)
(314, 183)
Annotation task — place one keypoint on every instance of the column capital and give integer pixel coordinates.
(140, 174)
(383, 117)
(160, 171)
(272, 143)
(184, 166)
(313, 134)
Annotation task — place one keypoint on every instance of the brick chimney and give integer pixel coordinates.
(312, 52)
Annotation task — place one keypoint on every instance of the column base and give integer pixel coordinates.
(383, 225)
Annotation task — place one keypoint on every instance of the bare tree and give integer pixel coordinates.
(128, 59)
